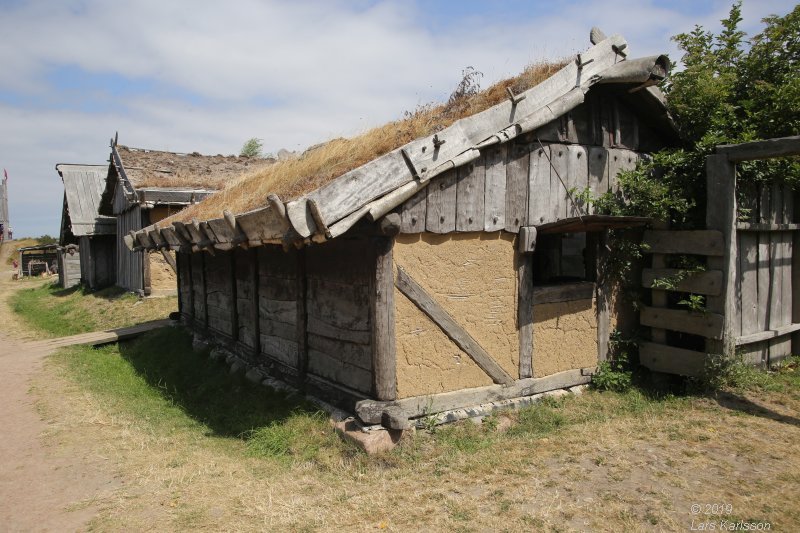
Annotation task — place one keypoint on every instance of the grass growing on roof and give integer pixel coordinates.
(320, 165)
(59, 312)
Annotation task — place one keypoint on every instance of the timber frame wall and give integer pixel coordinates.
(752, 281)
(304, 315)
(322, 316)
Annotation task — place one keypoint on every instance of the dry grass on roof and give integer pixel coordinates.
(155, 168)
(319, 165)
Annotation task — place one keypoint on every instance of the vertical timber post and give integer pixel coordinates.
(189, 262)
(384, 365)
(597, 248)
(525, 313)
(205, 292)
(256, 315)
(302, 318)
(721, 215)
(234, 297)
(795, 279)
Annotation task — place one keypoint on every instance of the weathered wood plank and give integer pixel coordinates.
(517, 167)
(413, 213)
(526, 242)
(748, 283)
(577, 179)
(338, 371)
(525, 313)
(795, 281)
(619, 160)
(359, 355)
(709, 325)
(781, 147)
(583, 290)
(441, 210)
(598, 171)
(302, 327)
(697, 242)
(470, 191)
(708, 282)
(662, 358)
(285, 351)
(449, 326)
(494, 211)
(321, 327)
(763, 281)
(339, 304)
(749, 226)
(384, 364)
(278, 310)
(539, 185)
(371, 411)
(769, 334)
(559, 172)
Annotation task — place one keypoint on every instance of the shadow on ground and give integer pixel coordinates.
(228, 405)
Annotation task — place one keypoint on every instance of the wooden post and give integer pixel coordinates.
(721, 215)
(525, 313)
(597, 256)
(205, 291)
(384, 367)
(795, 279)
(234, 310)
(179, 280)
(659, 296)
(302, 318)
(188, 260)
(255, 318)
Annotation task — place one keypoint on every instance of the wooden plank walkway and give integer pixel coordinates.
(97, 338)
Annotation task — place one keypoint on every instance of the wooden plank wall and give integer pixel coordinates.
(765, 266)
(526, 181)
(129, 264)
(277, 305)
(219, 297)
(337, 305)
(185, 302)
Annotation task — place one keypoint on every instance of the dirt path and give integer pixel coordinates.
(43, 486)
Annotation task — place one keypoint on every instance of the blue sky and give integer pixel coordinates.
(203, 76)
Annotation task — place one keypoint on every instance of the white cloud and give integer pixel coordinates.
(329, 68)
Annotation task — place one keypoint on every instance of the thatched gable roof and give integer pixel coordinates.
(143, 169)
(333, 187)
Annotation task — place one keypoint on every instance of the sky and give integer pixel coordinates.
(197, 75)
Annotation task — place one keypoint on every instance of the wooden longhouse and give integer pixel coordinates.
(145, 186)
(82, 225)
(457, 270)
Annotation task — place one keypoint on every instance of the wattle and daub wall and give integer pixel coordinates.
(310, 315)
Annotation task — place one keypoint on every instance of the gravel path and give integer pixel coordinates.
(44, 486)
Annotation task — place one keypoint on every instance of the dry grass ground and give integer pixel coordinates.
(58, 312)
(599, 461)
(190, 447)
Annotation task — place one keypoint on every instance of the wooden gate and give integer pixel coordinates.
(752, 305)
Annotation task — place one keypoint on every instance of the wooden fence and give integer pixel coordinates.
(752, 300)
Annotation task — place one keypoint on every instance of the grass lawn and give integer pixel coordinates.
(58, 312)
(205, 450)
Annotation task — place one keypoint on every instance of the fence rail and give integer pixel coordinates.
(752, 279)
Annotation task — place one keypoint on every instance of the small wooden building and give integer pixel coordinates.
(69, 266)
(82, 224)
(145, 186)
(459, 269)
(38, 260)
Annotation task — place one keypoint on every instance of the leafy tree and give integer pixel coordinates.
(730, 90)
(252, 148)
